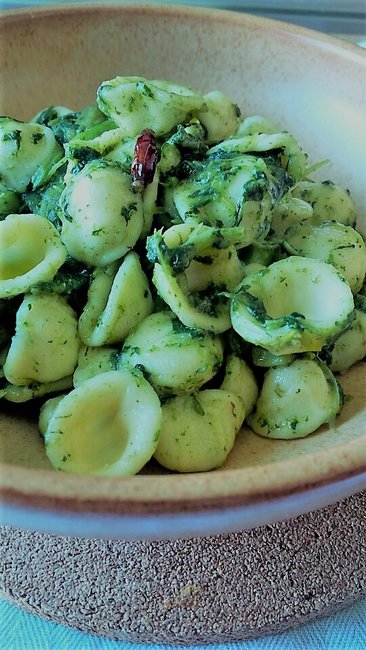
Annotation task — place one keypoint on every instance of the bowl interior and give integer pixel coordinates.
(307, 83)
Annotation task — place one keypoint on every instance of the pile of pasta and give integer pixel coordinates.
(168, 271)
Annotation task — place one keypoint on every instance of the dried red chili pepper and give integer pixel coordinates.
(145, 159)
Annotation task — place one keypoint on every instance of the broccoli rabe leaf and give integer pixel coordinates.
(64, 283)
(10, 201)
(199, 239)
(189, 138)
(102, 140)
(68, 126)
(50, 114)
(70, 279)
(45, 201)
(228, 190)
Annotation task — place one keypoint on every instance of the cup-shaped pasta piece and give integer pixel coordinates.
(102, 217)
(46, 411)
(219, 268)
(185, 242)
(31, 251)
(206, 260)
(291, 157)
(288, 212)
(220, 116)
(117, 301)
(135, 103)
(94, 361)
(329, 201)
(240, 379)
(295, 305)
(170, 157)
(113, 145)
(27, 152)
(45, 345)
(339, 245)
(350, 346)
(174, 252)
(255, 124)
(175, 359)
(296, 400)
(19, 394)
(198, 431)
(208, 311)
(226, 192)
(109, 425)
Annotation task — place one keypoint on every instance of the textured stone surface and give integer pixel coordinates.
(221, 588)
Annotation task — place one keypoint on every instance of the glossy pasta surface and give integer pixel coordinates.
(170, 270)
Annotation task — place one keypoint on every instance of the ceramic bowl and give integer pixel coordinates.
(310, 84)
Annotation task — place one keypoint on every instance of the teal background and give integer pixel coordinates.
(345, 630)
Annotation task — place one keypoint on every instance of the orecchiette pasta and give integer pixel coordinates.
(31, 251)
(102, 218)
(109, 425)
(295, 305)
(350, 346)
(198, 430)
(169, 270)
(118, 299)
(27, 152)
(331, 242)
(176, 359)
(45, 345)
(94, 361)
(19, 394)
(220, 117)
(291, 158)
(133, 103)
(288, 212)
(173, 254)
(240, 380)
(329, 202)
(225, 192)
(282, 409)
